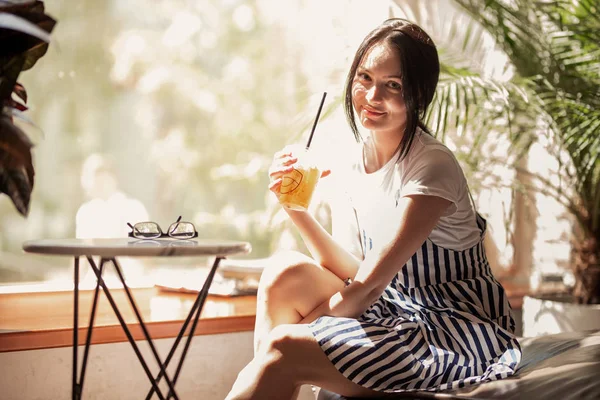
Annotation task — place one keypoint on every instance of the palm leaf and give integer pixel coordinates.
(563, 75)
(537, 39)
(469, 101)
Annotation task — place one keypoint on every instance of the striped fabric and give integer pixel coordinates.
(443, 322)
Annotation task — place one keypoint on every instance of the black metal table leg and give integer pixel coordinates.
(75, 393)
(161, 365)
(197, 308)
(203, 294)
(88, 338)
(125, 328)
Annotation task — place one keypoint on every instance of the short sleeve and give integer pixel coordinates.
(433, 173)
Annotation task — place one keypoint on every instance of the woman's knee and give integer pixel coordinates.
(284, 271)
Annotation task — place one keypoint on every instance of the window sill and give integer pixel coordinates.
(44, 319)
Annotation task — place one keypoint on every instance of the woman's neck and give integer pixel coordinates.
(380, 149)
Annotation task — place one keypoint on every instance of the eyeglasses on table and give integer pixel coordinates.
(151, 230)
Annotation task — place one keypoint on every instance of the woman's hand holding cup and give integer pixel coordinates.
(294, 175)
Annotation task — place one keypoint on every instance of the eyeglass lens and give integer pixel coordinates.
(181, 230)
(146, 230)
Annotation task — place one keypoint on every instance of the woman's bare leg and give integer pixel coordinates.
(291, 286)
(289, 358)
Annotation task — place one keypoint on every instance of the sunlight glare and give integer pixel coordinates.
(183, 27)
(243, 17)
(128, 46)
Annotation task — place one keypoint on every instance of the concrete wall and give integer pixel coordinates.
(113, 371)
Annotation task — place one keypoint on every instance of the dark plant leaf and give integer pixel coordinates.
(33, 11)
(15, 113)
(19, 24)
(24, 33)
(22, 28)
(15, 104)
(15, 147)
(15, 183)
(10, 73)
(34, 54)
(20, 91)
(21, 5)
(16, 168)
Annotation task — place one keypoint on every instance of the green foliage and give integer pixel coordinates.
(554, 49)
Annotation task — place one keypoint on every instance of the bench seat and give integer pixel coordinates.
(563, 366)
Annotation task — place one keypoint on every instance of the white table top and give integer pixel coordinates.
(137, 247)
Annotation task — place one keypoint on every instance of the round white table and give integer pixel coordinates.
(108, 250)
(132, 247)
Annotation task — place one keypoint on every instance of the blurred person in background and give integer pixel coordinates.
(107, 210)
(105, 215)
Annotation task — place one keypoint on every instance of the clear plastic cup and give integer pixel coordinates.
(298, 186)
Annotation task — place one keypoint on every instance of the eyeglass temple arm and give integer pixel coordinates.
(176, 223)
(133, 228)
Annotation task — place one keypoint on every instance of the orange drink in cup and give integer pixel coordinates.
(298, 186)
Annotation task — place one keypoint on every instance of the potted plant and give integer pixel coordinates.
(554, 49)
(24, 36)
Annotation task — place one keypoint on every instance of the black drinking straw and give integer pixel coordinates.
(312, 132)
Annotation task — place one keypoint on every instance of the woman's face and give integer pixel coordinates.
(377, 90)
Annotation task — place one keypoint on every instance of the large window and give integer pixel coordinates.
(151, 110)
(155, 109)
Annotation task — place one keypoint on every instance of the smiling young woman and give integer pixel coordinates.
(400, 297)
(377, 92)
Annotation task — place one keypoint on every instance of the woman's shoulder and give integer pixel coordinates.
(426, 150)
(425, 142)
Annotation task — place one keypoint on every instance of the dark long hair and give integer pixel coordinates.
(420, 70)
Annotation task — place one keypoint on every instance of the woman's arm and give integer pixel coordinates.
(324, 249)
(418, 216)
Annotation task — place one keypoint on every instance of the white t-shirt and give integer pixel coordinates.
(365, 215)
